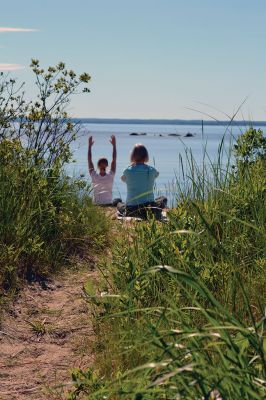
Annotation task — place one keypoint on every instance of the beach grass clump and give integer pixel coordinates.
(46, 218)
(178, 357)
(181, 311)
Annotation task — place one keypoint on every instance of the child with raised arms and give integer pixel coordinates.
(103, 180)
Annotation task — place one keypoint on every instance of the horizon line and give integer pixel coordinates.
(171, 121)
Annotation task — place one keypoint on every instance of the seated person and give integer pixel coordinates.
(140, 178)
(102, 181)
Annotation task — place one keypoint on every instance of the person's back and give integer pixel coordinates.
(102, 187)
(140, 180)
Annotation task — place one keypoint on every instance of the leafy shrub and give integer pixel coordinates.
(44, 217)
(42, 124)
(251, 146)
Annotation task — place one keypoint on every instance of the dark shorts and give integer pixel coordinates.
(144, 210)
(113, 204)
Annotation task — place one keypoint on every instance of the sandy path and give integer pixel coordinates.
(46, 332)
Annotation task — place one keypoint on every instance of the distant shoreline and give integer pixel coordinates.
(167, 122)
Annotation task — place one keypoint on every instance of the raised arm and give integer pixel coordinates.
(113, 143)
(90, 163)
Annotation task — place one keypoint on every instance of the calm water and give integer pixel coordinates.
(164, 151)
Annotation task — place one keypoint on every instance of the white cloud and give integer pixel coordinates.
(13, 67)
(10, 67)
(8, 29)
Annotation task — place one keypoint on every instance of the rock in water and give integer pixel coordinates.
(138, 134)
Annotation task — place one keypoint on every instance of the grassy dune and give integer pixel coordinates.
(180, 313)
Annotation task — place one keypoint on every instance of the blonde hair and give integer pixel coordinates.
(139, 154)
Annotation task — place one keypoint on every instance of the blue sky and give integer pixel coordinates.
(147, 58)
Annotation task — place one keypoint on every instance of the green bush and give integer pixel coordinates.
(250, 147)
(42, 123)
(45, 217)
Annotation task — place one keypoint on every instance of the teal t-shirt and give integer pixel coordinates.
(140, 183)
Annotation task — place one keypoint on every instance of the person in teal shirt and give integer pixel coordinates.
(140, 179)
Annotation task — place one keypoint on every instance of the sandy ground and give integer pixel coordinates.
(46, 332)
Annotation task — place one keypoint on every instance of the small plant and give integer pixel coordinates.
(250, 146)
(85, 382)
(38, 327)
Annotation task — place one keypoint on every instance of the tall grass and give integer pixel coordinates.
(45, 218)
(220, 357)
(181, 309)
